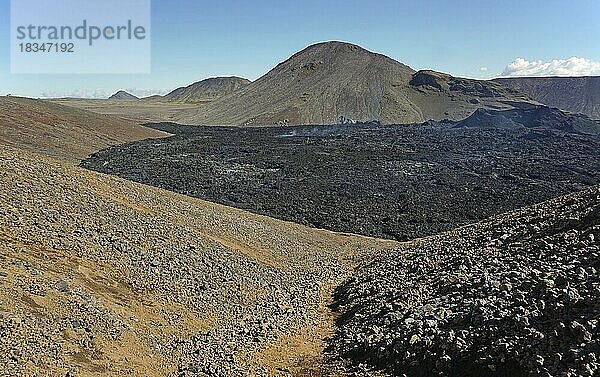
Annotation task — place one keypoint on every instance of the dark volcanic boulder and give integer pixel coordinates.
(516, 295)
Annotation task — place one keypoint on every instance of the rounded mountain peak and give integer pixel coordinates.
(334, 48)
(334, 54)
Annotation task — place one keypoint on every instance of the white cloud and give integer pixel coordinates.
(573, 66)
(146, 92)
(75, 93)
(483, 69)
(49, 94)
(100, 93)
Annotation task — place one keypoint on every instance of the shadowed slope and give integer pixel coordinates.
(574, 94)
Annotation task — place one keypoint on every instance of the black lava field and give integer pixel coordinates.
(399, 182)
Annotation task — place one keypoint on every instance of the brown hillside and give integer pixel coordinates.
(326, 81)
(207, 90)
(61, 131)
(102, 276)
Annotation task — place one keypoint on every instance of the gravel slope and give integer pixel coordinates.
(518, 294)
(98, 274)
(63, 132)
(102, 276)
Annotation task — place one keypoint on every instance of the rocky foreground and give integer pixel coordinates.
(100, 276)
(516, 295)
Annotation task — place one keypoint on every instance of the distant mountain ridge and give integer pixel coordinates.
(534, 118)
(123, 95)
(207, 90)
(574, 94)
(333, 81)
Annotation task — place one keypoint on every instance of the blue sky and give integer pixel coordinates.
(193, 39)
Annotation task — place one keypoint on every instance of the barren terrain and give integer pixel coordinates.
(574, 94)
(320, 84)
(101, 275)
(151, 110)
(326, 81)
(63, 132)
(516, 295)
(104, 276)
(208, 90)
(396, 182)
